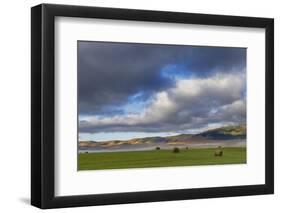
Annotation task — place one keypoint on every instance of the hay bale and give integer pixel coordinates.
(218, 152)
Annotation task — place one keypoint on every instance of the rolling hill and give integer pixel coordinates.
(227, 135)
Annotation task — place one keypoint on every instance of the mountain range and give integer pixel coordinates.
(217, 136)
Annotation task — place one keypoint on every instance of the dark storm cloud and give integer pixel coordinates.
(191, 104)
(110, 73)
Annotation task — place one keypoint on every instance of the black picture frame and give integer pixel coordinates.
(43, 102)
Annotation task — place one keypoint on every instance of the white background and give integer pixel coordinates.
(15, 106)
(70, 182)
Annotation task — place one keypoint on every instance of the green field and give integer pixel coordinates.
(159, 158)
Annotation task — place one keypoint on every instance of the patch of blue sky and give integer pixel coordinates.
(176, 71)
(105, 112)
(106, 136)
(213, 111)
(136, 103)
(83, 117)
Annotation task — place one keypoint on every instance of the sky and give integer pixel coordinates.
(131, 90)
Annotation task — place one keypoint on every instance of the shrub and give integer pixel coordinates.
(186, 148)
(157, 148)
(176, 150)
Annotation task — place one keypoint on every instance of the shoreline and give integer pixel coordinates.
(206, 145)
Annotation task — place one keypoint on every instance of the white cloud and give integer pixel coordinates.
(191, 104)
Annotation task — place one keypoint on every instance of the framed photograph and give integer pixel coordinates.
(136, 106)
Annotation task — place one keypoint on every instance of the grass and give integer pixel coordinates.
(159, 158)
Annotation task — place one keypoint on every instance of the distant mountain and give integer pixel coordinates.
(226, 133)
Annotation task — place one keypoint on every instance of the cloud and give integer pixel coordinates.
(111, 74)
(191, 103)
